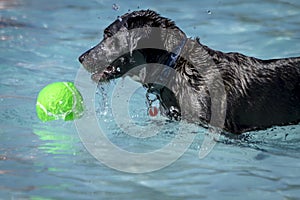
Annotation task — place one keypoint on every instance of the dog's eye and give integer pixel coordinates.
(107, 33)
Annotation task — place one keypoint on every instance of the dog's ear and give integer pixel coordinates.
(144, 28)
(148, 28)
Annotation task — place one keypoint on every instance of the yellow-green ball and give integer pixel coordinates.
(60, 100)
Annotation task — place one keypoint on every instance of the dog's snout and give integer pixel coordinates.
(82, 57)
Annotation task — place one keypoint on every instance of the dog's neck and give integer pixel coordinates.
(167, 52)
(184, 65)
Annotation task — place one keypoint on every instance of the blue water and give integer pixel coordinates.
(40, 43)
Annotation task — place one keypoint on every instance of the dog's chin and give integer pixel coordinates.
(109, 73)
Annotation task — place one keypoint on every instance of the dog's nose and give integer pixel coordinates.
(84, 55)
(81, 58)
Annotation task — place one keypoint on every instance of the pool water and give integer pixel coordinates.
(40, 44)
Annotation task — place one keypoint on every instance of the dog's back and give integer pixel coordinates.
(265, 93)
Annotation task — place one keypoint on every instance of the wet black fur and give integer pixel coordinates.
(259, 93)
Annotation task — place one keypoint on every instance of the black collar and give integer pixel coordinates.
(175, 53)
(171, 63)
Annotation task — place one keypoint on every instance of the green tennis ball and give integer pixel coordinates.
(60, 100)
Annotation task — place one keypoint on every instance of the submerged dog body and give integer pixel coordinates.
(253, 94)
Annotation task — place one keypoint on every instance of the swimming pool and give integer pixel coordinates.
(40, 44)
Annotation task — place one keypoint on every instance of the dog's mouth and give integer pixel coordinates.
(117, 68)
(109, 73)
(114, 70)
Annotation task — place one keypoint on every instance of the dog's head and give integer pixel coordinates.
(138, 38)
(133, 39)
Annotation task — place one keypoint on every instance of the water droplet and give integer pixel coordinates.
(115, 7)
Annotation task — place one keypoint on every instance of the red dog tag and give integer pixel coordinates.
(153, 111)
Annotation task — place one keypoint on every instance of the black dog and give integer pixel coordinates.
(197, 83)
